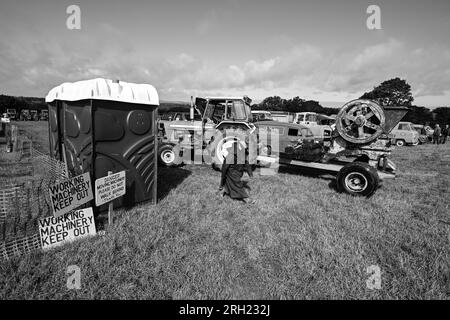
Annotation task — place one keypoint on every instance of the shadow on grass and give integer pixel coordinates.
(311, 173)
(170, 178)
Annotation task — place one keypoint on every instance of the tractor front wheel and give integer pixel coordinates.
(168, 156)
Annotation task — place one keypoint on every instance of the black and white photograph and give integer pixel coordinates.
(247, 152)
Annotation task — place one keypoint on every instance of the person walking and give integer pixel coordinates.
(445, 134)
(436, 134)
(233, 168)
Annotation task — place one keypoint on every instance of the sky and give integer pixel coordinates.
(320, 50)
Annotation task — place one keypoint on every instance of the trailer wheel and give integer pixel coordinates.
(358, 179)
(167, 155)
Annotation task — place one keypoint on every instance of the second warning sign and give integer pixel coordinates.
(109, 188)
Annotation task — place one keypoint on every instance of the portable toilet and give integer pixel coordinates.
(103, 125)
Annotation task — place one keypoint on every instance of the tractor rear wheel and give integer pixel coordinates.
(224, 139)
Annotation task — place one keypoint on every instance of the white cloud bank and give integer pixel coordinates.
(304, 70)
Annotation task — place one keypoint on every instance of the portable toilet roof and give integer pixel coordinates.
(105, 89)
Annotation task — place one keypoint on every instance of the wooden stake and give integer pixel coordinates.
(110, 208)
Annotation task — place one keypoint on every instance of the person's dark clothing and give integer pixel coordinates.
(231, 178)
(436, 135)
(445, 134)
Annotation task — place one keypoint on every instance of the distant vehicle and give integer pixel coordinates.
(282, 116)
(308, 118)
(287, 134)
(34, 116)
(425, 133)
(175, 116)
(5, 118)
(25, 115)
(12, 113)
(261, 115)
(319, 124)
(44, 115)
(405, 134)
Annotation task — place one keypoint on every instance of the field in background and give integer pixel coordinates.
(302, 240)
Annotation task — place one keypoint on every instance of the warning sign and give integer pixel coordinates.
(67, 195)
(109, 188)
(55, 231)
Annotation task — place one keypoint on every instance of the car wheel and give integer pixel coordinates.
(400, 143)
(358, 179)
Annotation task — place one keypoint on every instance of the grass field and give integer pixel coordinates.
(302, 240)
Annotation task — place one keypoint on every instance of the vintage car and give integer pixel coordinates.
(282, 139)
(261, 115)
(405, 134)
(5, 118)
(425, 133)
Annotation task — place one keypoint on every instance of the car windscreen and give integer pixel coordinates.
(237, 110)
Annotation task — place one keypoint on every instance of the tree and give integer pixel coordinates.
(393, 92)
(274, 103)
(295, 104)
(418, 115)
(442, 115)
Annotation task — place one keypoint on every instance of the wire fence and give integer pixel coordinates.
(24, 198)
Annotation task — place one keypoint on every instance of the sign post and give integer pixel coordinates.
(109, 188)
(110, 207)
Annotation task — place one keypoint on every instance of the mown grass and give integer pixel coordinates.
(302, 240)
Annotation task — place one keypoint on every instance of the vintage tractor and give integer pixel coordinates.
(359, 148)
(34, 116)
(44, 115)
(25, 115)
(214, 124)
(12, 113)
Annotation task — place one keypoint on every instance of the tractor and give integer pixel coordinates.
(12, 114)
(25, 115)
(214, 124)
(34, 116)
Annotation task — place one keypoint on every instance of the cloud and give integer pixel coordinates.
(30, 68)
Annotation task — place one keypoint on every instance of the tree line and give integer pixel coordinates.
(19, 103)
(393, 92)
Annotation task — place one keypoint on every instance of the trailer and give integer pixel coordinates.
(356, 178)
(358, 154)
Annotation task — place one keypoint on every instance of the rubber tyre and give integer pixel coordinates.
(400, 143)
(220, 140)
(358, 179)
(167, 156)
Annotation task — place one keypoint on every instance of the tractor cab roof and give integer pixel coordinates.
(244, 98)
